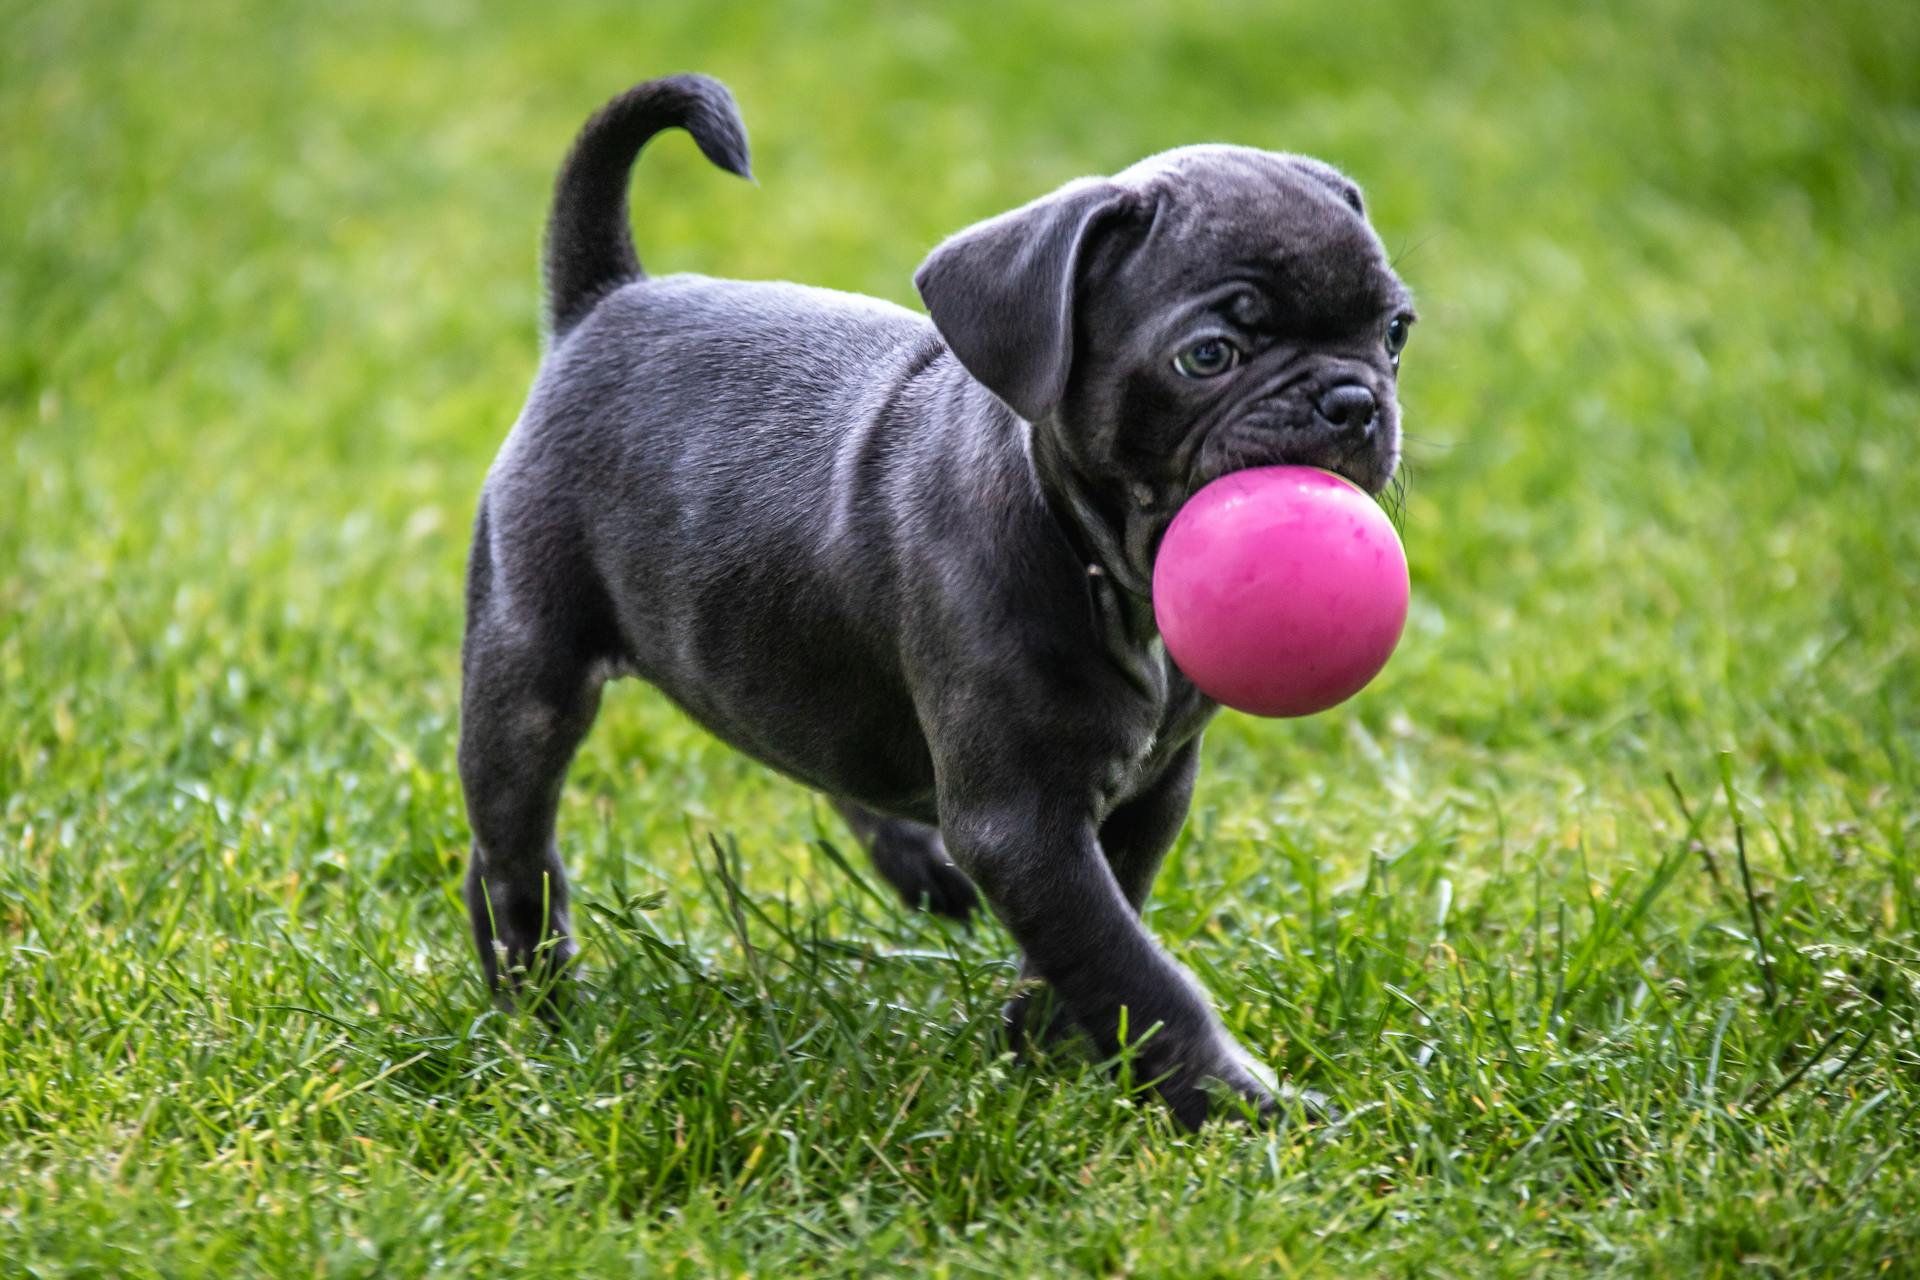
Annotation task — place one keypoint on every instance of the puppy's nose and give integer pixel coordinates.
(1351, 409)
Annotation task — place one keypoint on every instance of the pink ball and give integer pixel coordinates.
(1280, 591)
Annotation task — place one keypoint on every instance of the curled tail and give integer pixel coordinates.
(589, 247)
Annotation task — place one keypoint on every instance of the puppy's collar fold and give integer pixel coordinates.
(1117, 552)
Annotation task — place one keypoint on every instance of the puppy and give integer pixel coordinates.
(906, 560)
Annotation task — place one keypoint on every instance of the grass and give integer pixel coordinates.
(1597, 912)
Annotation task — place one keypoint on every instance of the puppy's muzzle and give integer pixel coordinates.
(1344, 429)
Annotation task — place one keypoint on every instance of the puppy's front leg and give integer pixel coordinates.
(1135, 838)
(1041, 867)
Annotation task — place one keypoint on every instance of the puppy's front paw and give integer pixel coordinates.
(1223, 1079)
(1034, 1020)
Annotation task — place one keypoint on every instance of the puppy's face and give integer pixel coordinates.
(1209, 309)
(1236, 310)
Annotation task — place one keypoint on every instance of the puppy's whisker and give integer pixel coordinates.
(1402, 255)
(1394, 500)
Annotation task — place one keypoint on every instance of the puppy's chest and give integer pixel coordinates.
(1167, 716)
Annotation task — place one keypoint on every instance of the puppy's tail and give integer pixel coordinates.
(589, 249)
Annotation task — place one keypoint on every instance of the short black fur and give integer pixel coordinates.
(906, 562)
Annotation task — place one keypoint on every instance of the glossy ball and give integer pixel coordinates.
(1280, 591)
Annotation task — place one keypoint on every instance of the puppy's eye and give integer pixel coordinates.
(1397, 330)
(1207, 359)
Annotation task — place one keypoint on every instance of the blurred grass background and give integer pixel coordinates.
(267, 306)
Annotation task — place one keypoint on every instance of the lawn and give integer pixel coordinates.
(1599, 913)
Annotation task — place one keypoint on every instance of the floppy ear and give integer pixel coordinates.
(1343, 186)
(1001, 293)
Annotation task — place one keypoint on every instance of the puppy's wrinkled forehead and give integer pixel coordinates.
(1288, 224)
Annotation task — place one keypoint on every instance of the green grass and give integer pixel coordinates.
(269, 305)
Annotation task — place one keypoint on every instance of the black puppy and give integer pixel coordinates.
(907, 562)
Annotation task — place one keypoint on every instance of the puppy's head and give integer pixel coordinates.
(1208, 309)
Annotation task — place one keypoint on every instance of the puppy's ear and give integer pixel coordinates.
(1001, 292)
(1346, 188)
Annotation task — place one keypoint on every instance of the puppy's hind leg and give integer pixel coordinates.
(911, 857)
(529, 692)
